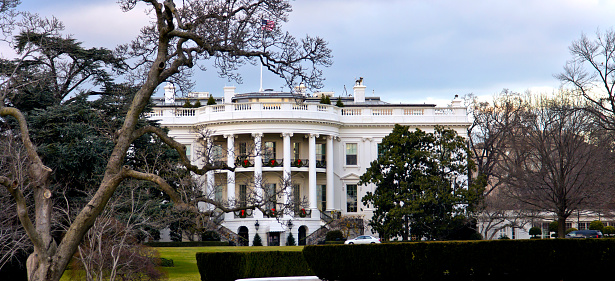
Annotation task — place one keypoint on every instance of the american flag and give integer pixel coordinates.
(267, 25)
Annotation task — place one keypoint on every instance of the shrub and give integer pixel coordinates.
(166, 262)
(257, 240)
(334, 235)
(211, 100)
(187, 104)
(290, 241)
(551, 259)
(535, 231)
(609, 230)
(231, 266)
(553, 226)
(570, 230)
(504, 237)
(197, 104)
(339, 102)
(596, 225)
(210, 235)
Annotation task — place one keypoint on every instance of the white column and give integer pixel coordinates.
(258, 169)
(286, 164)
(230, 161)
(312, 173)
(330, 188)
(210, 174)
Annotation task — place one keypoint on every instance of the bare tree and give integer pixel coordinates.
(111, 248)
(228, 32)
(556, 160)
(492, 123)
(591, 73)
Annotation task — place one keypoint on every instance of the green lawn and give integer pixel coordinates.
(184, 258)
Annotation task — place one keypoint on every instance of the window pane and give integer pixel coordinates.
(296, 154)
(243, 192)
(351, 154)
(351, 198)
(322, 197)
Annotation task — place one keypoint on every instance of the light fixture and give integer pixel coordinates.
(290, 224)
(256, 225)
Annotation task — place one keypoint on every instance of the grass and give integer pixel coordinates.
(184, 259)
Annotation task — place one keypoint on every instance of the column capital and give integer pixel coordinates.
(257, 135)
(287, 134)
(226, 136)
(367, 139)
(314, 135)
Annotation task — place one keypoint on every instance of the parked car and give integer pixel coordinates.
(363, 239)
(584, 234)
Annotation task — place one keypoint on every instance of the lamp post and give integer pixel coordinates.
(290, 224)
(256, 225)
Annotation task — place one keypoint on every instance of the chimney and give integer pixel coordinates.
(359, 91)
(229, 93)
(456, 102)
(169, 93)
(300, 89)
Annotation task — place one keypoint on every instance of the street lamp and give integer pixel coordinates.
(290, 224)
(256, 225)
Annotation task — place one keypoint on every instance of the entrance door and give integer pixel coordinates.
(302, 235)
(274, 239)
(243, 236)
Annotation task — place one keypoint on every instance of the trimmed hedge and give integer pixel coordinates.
(187, 244)
(547, 259)
(237, 265)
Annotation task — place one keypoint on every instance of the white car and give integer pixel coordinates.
(363, 239)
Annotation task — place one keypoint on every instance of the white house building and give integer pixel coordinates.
(322, 149)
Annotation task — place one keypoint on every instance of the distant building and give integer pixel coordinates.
(268, 135)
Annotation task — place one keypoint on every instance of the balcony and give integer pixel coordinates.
(376, 114)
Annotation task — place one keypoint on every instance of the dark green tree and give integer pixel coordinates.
(290, 241)
(339, 102)
(211, 100)
(421, 184)
(257, 240)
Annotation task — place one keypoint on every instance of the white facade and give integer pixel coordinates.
(324, 149)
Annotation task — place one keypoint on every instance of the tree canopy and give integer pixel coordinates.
(421, 183)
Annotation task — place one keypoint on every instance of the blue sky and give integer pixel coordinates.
(407, 51)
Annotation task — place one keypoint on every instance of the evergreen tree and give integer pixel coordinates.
(421, 184)
(339, 102)
(187, 104)
(257, 240)
(197, 104)
(290, 241)
(211, 100)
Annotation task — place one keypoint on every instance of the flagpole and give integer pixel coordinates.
(263, 41)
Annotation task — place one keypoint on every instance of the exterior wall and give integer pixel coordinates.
(362, 124)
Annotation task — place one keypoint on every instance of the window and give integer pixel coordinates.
(380, 149)
(297, 197)
(269, 152)
(321, 155)
(296, 154)
(218, 193)
(189, 152)
(583, 225)
(321, 191)
(351, 154)
(271, 196)
(243, 195)
(243, 149)
(351, 198)
(217, 154)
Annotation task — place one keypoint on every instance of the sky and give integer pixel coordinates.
(412, 51)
